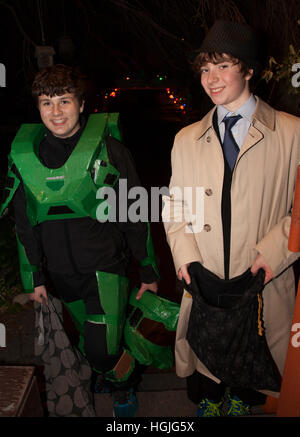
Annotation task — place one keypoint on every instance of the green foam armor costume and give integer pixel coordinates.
(71, 192)
(150, 329)
(63, 193)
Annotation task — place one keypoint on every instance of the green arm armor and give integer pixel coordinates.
(150, 259)
(26, 269)
(113, 125)
(11, 185)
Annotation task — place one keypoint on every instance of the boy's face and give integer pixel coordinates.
(60, 114)
(225, 84)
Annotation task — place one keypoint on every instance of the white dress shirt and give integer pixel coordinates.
(240, 129)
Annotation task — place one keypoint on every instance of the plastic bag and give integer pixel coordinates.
(67, 372)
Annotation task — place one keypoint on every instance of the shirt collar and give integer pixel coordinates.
(246, 110)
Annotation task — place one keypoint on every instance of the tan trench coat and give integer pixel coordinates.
(263, 183)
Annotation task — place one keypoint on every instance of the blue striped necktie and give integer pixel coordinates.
(230, 147)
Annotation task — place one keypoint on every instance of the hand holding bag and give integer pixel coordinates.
(226, 329)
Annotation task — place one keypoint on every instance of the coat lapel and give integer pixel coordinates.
(263, 117)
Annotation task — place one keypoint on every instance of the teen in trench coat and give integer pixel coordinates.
(262, 190)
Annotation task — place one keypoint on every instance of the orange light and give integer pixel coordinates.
(171, 96)
(113, 94)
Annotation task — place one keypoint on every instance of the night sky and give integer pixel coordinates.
(114, 39)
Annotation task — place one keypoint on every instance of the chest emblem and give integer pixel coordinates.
(55, 183)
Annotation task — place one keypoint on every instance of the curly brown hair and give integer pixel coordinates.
(216, 58)
(58, 80)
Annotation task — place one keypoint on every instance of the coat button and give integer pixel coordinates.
(208, 191)
(208, 139)
(207, 228)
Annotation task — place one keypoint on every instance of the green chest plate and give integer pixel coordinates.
(68, 191)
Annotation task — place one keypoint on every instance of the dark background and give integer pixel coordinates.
(114, 39)
(151, 42)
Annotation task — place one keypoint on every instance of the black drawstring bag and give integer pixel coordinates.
(225, 329)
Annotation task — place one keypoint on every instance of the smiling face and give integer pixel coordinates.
(60, 114)
(225, 84)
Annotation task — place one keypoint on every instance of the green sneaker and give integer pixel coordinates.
(234, 406)
(207, 408)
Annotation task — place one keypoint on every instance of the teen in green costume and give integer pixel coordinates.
(55, 170)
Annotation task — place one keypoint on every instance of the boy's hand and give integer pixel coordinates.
(39, 293)
(260, 263)
(152, 287)
(184, 273)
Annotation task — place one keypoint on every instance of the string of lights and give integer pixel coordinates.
(176, 98)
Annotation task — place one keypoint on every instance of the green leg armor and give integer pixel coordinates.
(113, 294)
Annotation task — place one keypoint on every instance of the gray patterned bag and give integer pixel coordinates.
(66, 371)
